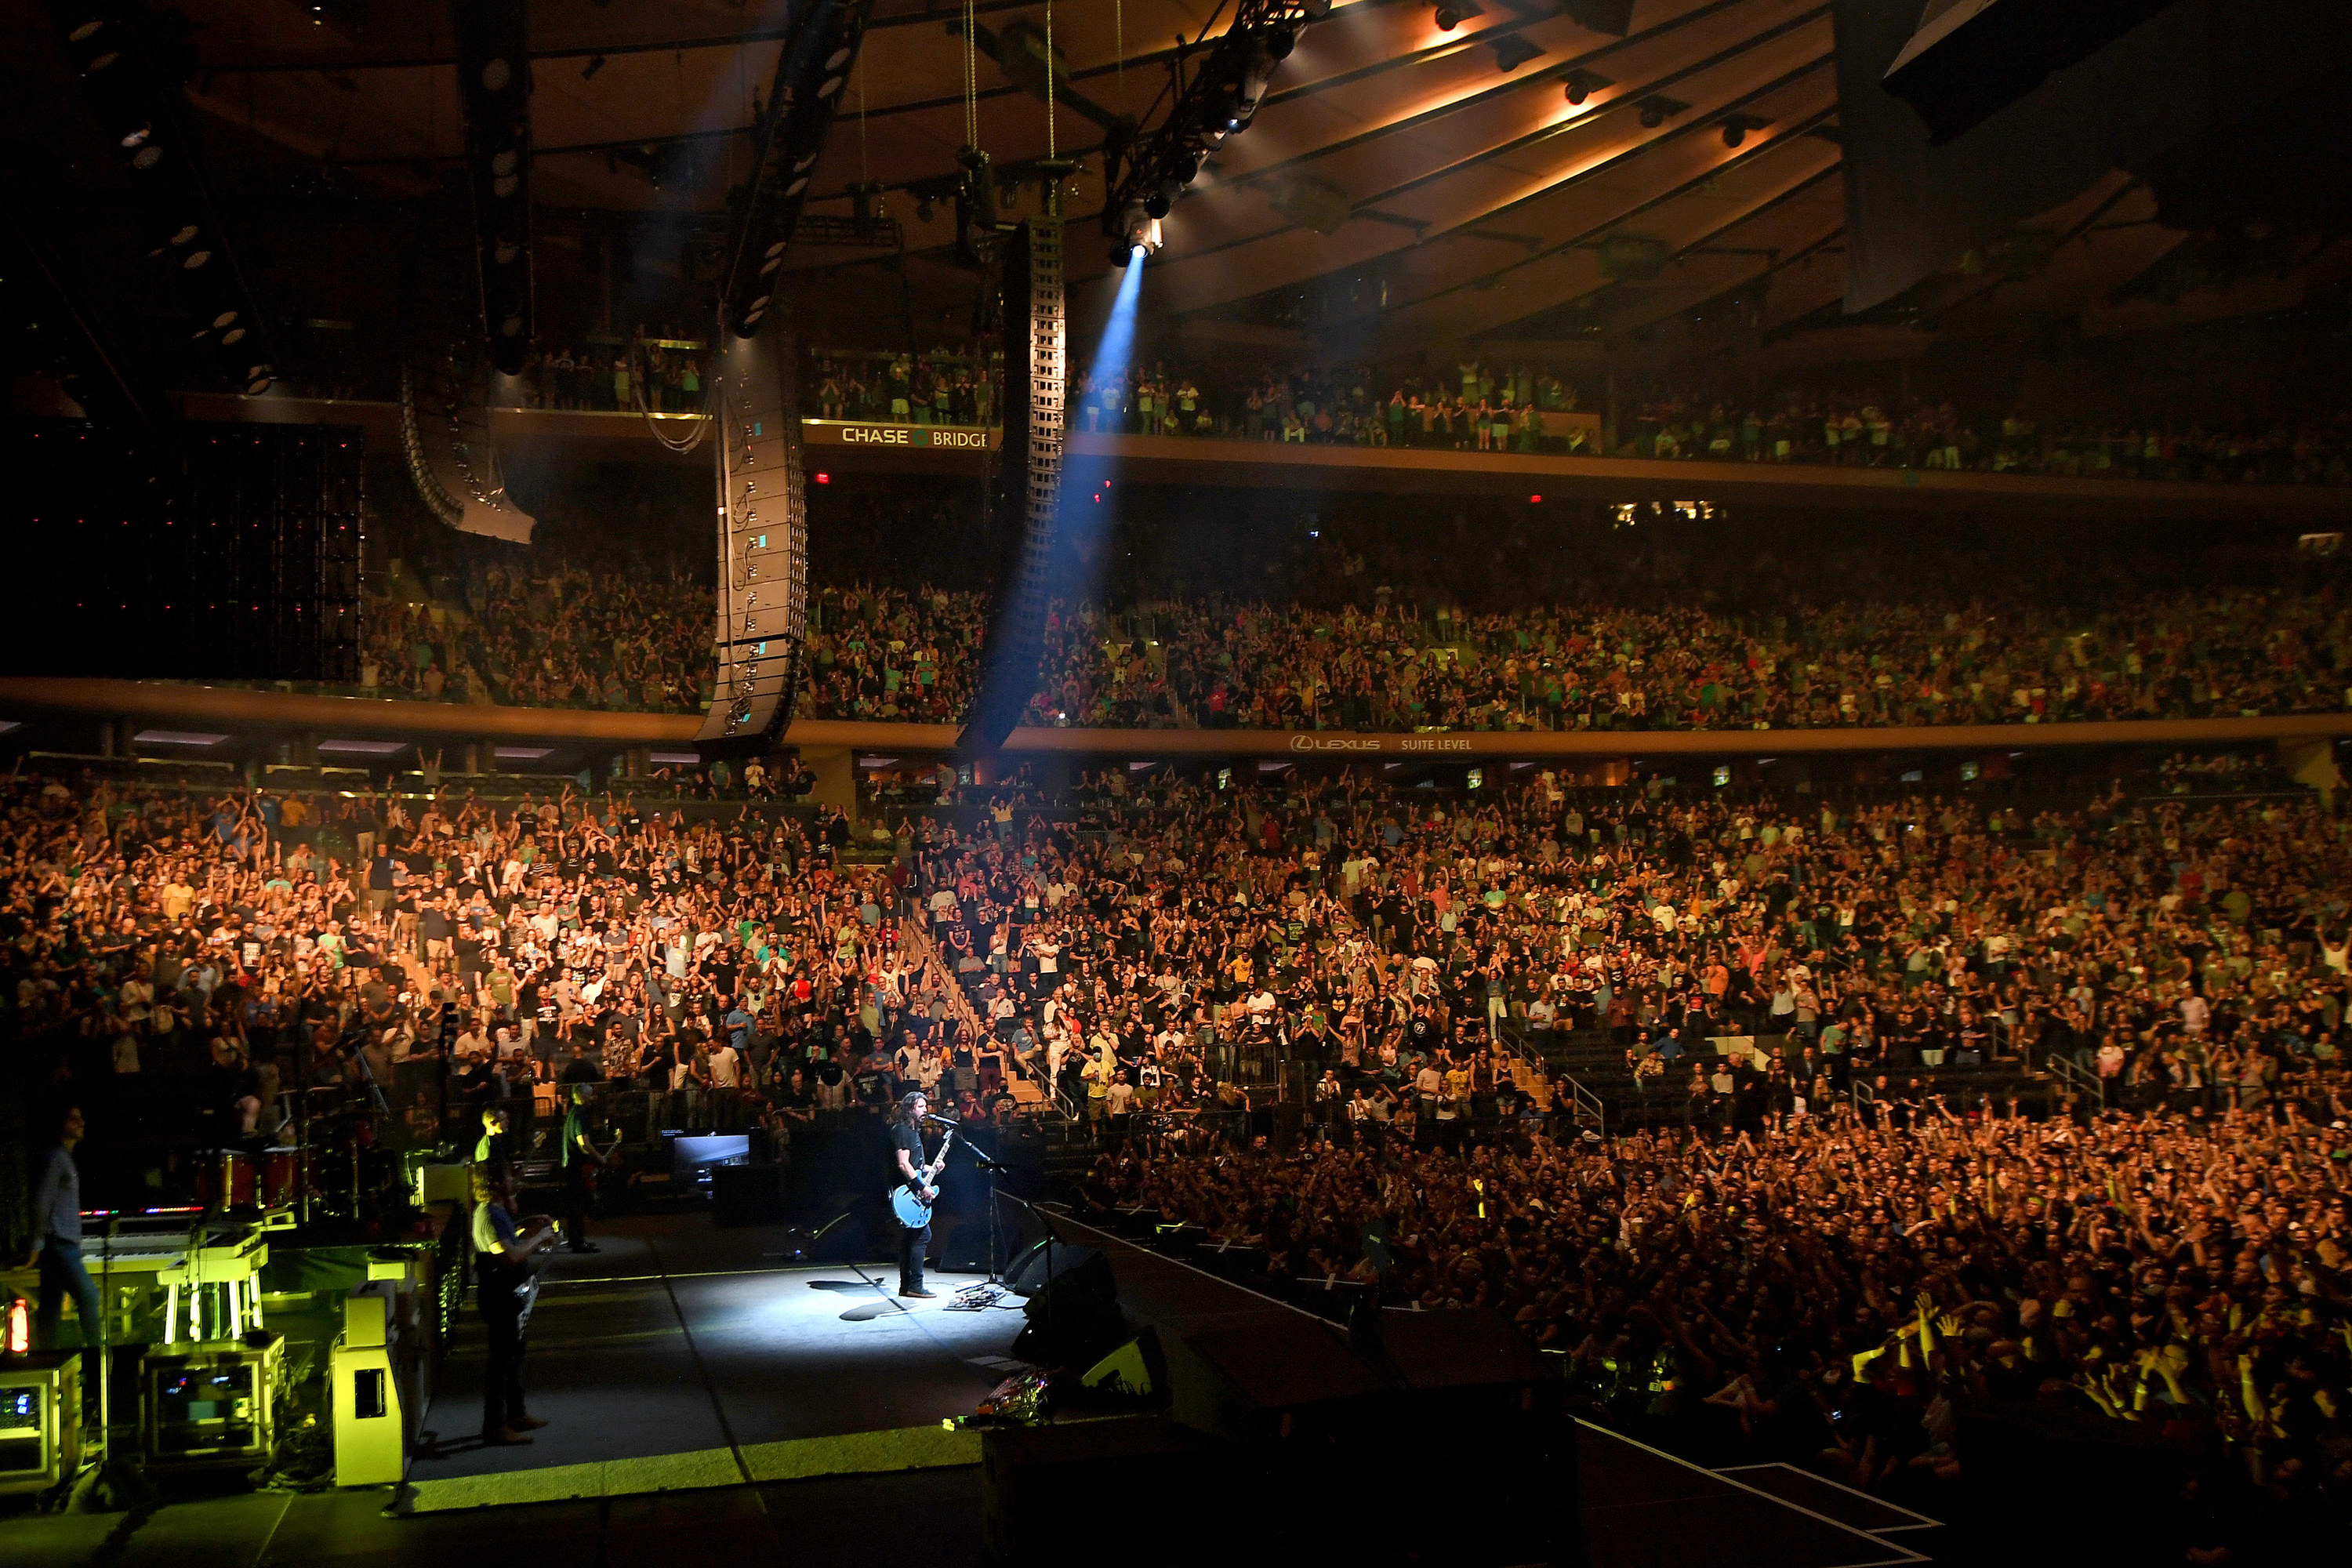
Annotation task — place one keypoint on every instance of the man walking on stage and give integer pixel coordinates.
(581, 1161)
(907, 1150)
(57, 1245)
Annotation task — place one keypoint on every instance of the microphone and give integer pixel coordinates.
(940, 1120)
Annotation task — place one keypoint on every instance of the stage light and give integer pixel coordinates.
(1513, 52)
(1157, 204)
(1448, 19)
(1657, 108)
(824, 478)
(1535, 500)
(1733, 134)
(1280, 42)
(1582, 84)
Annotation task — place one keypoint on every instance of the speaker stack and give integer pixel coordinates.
(1281, 1433)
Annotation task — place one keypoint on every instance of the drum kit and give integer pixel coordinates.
(331, 1164)
(273, 1178)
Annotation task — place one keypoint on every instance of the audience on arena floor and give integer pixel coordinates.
(226, 952)
(1165, 953)
(1836, 1295)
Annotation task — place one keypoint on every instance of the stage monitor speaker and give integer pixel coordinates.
(1074, 1313)
(1025, 1275)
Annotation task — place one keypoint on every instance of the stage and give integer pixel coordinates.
(680, 1355)
(709, 1403)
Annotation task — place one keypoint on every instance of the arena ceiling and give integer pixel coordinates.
(1401, 189)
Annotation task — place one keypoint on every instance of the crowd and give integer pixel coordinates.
(660, 374)
(1161, 948)
(1842, 1296)
(1957, 645)
(1805, 1274)
(1493, 408)
(1934, 659)
(1482, 406)
(201, 963)
(541, 636)
(1866, 430)
(941, 387)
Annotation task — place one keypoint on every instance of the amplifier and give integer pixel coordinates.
(40, 1420)
(213, 1404)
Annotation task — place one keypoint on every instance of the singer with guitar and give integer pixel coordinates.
(914, 1191)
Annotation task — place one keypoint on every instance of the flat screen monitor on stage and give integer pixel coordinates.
(692, 1156)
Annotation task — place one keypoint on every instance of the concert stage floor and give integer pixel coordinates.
(711, 1406)
(680, 1357)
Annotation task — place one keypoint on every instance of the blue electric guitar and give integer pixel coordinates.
(907, 1200)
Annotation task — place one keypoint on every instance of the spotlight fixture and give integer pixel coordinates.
(1147, 175)
(1735, 128)
(1448, 19)
(1581, 85)
(1512, 52)
(1657, 108)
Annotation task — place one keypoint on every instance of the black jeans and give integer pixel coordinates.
(911, 1244)
(575, 1204)
(494, 1290)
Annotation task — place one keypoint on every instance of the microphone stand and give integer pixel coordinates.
(990, 1291)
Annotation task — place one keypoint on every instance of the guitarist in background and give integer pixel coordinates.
(906, 1151)
(581, 1161)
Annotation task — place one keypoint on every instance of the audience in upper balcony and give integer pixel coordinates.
(1505, 623)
